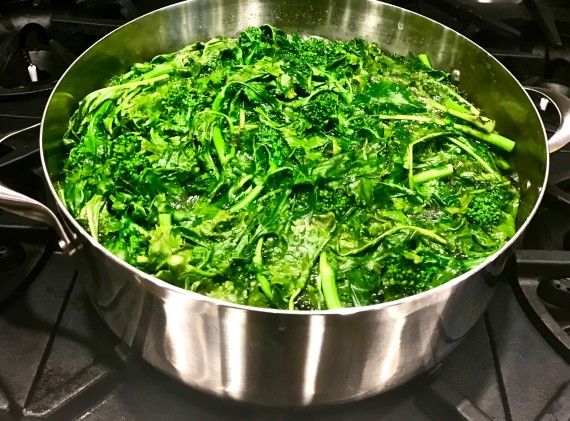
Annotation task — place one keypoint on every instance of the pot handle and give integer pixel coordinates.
(19, 204)
(562, 104)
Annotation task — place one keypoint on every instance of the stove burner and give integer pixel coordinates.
(543, 263)
(555, 292)
(11, 255)
(51, 38)
(538, 273)
(23, 251)
(528, 37)
(32, 49)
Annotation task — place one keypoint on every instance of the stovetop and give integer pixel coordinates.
(58, 360)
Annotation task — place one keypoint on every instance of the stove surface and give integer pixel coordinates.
(58, 360)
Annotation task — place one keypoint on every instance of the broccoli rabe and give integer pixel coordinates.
(292, 172)
(486, 209)
(403, 277)
(323, 111)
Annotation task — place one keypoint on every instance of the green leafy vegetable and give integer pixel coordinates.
(276, 171)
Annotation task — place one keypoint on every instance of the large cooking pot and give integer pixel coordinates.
(280, 357)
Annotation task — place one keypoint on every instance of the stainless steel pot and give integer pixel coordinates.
(278, 357)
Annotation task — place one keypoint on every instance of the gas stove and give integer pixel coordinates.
(58, 360)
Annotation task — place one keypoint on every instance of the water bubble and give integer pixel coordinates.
(400, 25)
(456, 75)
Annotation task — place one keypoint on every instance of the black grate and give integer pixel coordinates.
(60, 362)
(543, 265)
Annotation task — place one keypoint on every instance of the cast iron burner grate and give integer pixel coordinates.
(24, 244)
(50, 37)
(59, 361)
(543, 265)
(531, 37)
(542, 283)
(544, 288)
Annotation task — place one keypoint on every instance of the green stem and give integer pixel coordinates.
(253, 193)
(411, 154)
(262, 279)
(421, 118)
(271, 193)
(161, 69)
(433, 174)
(177, 260)
(241, 118)
(450, 90)
(483, 123)
(458, 97)
(422, 231)
(211, 164)
(492, 138)
(425, 60)
(502, 163)
(240, 184)
(250, 197)
(217, 103)
(194, 269)
(125, 85)
(217, 113)
(293, 297)
(451, 104)
(220, 145)
(401, 188)
(328, 283)
(165, 220)
(467, 148)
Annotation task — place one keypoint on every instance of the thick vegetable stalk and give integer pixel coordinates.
(328, 283)
(258, 262)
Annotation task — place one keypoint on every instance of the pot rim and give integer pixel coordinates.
(409, 300)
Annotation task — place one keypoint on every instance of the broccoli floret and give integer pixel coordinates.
(179, 98)
(314, 60)
(323, 111)
(486, 209)
(402, 277)
(315, 47)
(296, 59)
(333, 200)
(271, 147)
(271, 139)
(264, 33)
(402, 273)
(250, 34)
(253, 45)
(302, 54)
(256, 43)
